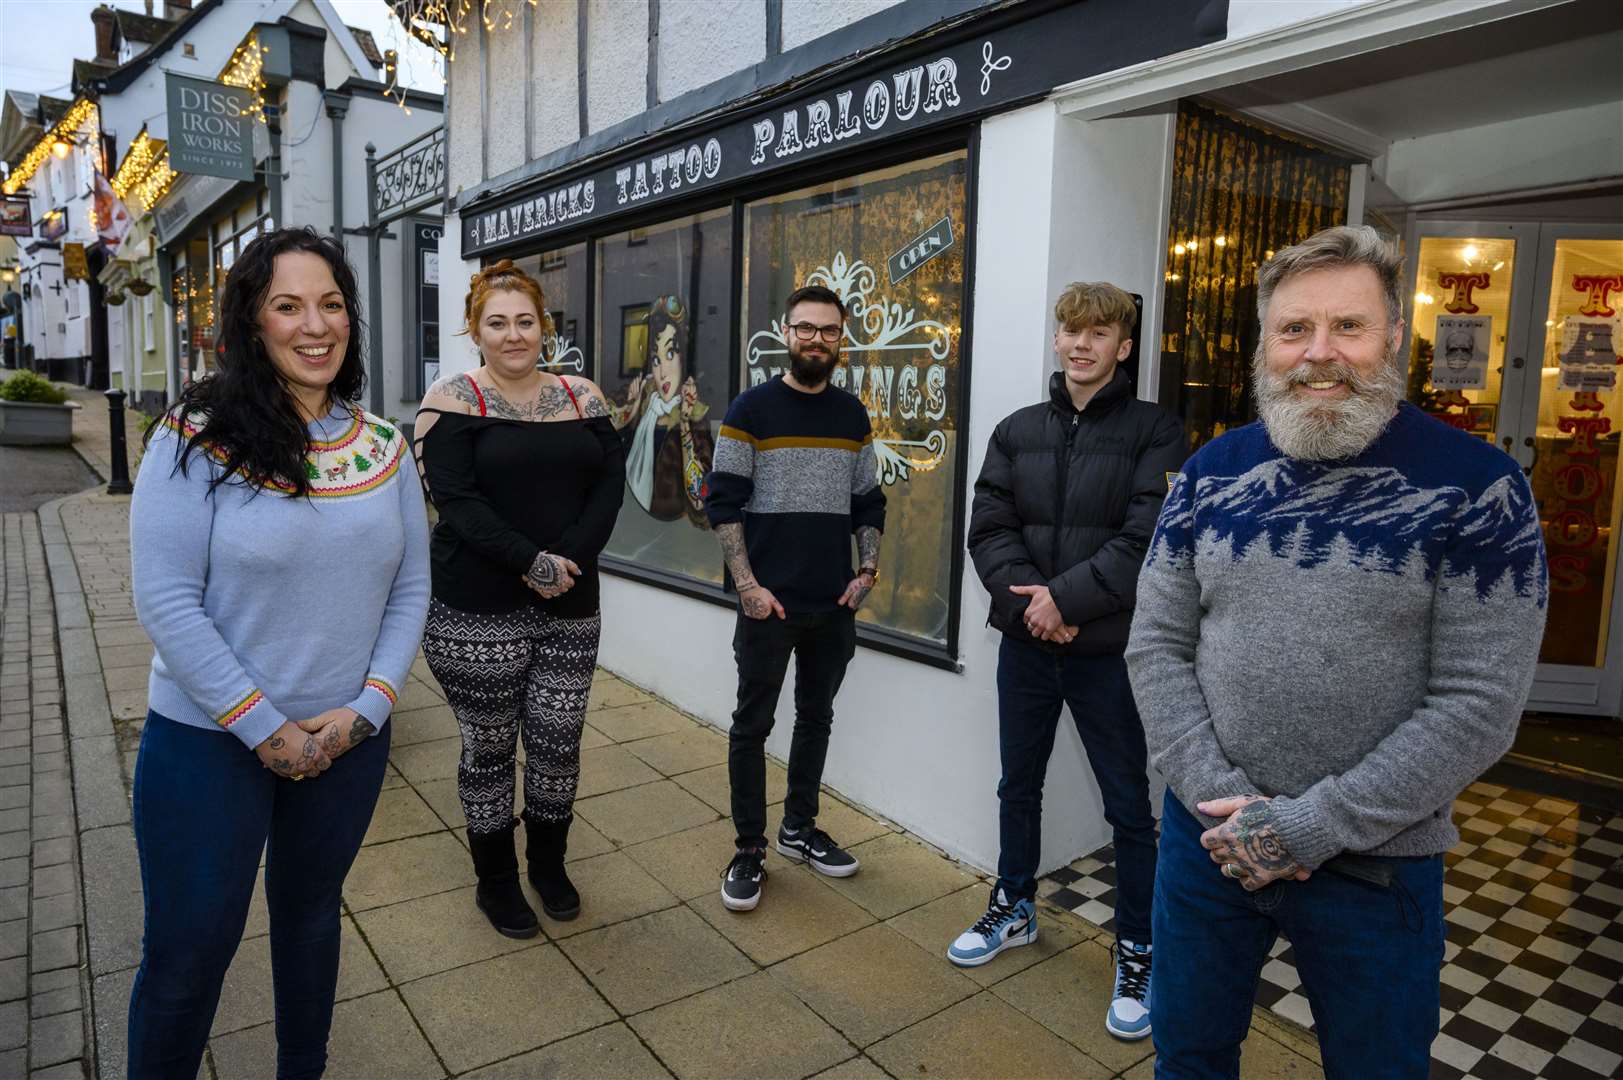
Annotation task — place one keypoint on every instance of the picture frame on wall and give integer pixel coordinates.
(1481, 419)
(633, 340)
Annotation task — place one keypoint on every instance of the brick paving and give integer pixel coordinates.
(43, 986)
(837, 978)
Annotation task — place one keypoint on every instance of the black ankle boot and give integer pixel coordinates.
(544, 847)
(499, 895)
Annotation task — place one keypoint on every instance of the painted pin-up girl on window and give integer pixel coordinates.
(668, 443)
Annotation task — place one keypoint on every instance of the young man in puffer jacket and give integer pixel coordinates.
(1065, 506)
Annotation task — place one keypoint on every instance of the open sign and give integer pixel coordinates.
(920, 250)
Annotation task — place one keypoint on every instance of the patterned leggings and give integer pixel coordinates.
(521, 671)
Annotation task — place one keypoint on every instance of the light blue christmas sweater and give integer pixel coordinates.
(1356, 638)
(266, 608)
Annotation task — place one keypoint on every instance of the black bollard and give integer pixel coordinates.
(117, 446)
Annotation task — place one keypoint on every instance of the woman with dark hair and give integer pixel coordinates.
(280, 562)
(527, 472)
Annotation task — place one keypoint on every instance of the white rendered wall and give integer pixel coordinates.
(1247, 18)
(456, 353)
(505, 109)
(1535, 151)
(307, 160)
(1112, 189)
(804, 20)
(555, 115)
(464, 126)
(617, 61)
(915, 743)
(700, 41)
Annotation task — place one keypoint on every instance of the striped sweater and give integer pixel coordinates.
(266, 608)
(798, 469)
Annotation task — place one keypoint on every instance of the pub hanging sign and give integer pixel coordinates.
(938, 86)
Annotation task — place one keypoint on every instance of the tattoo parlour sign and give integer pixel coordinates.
(937, 86)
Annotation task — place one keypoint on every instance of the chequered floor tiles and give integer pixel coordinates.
(1533, 898)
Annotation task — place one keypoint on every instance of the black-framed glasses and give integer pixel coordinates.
(805, 331)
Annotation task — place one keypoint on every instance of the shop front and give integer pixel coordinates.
(666, 266)
(948, 184)
(1509, 209)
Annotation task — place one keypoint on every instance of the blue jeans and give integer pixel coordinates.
(1369, 959)
(1033, 685)
(204, 807)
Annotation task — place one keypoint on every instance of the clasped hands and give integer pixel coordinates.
(1042, 615)
(1246, 847)
(301, 748)
(551, 575)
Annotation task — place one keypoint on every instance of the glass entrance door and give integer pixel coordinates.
(1515, 337)
(1567, 440)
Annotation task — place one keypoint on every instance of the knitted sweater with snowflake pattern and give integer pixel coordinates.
(266, 608)
(1354, 638)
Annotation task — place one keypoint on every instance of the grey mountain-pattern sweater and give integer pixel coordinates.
(1355, 638)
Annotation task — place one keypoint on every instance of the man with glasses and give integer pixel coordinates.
(794, 479)
(1064, 508)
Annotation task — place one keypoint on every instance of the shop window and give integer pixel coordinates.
(562, 274)
(1239, 193)
(667, 378)
(890, 244)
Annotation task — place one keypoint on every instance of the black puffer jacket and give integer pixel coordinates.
(1069, 499)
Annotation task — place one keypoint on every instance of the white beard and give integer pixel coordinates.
(1315, 430)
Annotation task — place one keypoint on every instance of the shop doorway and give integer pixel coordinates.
(1515, 337)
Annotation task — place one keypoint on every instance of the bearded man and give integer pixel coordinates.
(1336, 631)
(795, 478)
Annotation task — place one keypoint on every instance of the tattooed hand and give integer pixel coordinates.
(1246, 846)
(551, 575)
(856, 592)
(293, 753)
(759, 603)
(338, 730)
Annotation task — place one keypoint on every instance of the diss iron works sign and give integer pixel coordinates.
(938, 86)
(211, 128)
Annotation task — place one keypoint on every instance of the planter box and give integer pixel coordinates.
(27, 423)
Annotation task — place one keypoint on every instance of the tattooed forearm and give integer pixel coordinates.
(868, 546)
(731, 538)
(360, 729)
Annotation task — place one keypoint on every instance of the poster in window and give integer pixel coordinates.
(1460, 361)
(886, 243)
(1589, 352)
(664, 305)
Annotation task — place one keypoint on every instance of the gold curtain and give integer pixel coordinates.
(1239, 193)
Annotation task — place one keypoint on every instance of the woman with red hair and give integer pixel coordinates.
(526, 471)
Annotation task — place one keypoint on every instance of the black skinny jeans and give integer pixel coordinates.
(823, 644)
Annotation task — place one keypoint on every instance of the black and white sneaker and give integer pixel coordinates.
(814, 847)
(741, 881)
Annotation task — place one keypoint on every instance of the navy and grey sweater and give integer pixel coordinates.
(1356, 638)
(798, 469)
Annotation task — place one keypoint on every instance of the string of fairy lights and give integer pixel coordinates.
(59, 141)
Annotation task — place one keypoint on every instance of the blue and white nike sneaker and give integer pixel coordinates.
(1004, 926)
(1129, 1015)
